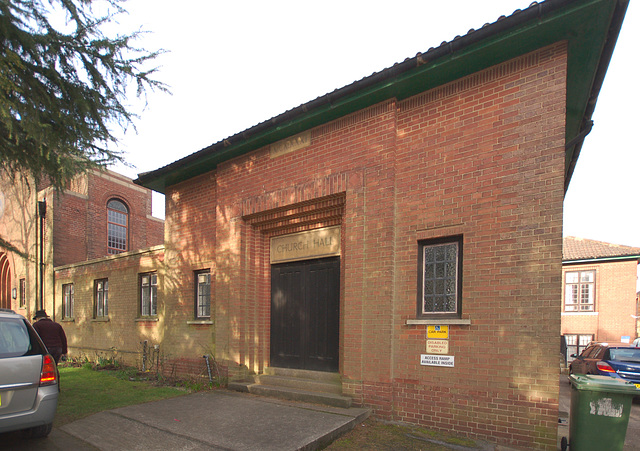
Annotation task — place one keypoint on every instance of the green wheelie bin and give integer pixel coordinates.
(600, 408)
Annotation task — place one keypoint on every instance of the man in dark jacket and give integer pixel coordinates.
(51, 333)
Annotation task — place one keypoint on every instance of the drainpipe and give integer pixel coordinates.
(42, 213)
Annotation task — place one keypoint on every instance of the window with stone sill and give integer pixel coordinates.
(67, 301)
(101, 298)
(440, 278)
(202, 295)
(148, 294)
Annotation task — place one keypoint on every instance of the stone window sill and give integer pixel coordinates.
(200, 322)
(439, 322)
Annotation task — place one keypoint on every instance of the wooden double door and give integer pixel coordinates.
(305, 314)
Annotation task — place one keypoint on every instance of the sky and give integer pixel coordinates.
(233, 64)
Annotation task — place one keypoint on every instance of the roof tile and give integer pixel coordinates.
(582, 249)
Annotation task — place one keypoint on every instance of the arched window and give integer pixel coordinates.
(5, 281)
(117, 226)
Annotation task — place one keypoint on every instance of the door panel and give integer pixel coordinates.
(286, 303)
(305, 311)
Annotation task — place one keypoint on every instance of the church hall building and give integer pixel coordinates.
(400, 236)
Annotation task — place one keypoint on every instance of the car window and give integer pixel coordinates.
(597, 353)
(17, 339)
(587, 351)
(625, 354)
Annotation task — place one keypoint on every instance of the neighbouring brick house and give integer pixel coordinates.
(100, 213)
(402, 233)
(599, 297)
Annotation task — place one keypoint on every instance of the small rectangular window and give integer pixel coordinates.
(101, 296)
(440, 278)
(149, 294)
(67, 301)
(23, 293)
(203, 294)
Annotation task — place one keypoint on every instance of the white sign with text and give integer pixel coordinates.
(437, 360)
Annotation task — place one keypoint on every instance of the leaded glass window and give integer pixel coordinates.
(440, 278)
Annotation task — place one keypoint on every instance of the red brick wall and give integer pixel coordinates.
(80, 224)
(615, 302)
(71, 236)
(482, 157)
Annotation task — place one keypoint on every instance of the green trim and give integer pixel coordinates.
(601, 259)
(584, 24)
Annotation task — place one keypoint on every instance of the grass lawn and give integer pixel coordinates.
(374, 435)
(84, 392)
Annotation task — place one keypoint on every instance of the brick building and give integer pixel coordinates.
(100, 213)
(402, 235)
(599, 296)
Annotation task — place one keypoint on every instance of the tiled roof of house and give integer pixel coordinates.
(582, 249)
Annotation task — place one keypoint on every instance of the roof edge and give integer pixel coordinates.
(334, 104)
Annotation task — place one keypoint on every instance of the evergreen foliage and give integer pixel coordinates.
(63, 86)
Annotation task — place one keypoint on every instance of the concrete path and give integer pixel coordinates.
(218, 420)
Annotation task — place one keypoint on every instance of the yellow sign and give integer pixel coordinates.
(437, 346)
(437, 331)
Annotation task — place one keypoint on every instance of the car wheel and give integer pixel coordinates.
(38, 431)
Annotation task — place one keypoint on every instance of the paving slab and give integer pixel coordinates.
(216, 420)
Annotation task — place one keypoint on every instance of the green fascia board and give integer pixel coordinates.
(601, 259)
(584, 25)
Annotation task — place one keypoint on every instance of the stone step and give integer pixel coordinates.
(297, 385)
(302, 384)
(303, 374)
(292, 394)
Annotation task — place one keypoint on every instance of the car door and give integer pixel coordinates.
(20, 367)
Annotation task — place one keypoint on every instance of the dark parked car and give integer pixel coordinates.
(28, 378)
(619, 360)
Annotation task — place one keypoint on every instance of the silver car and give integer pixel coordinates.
(28, 378)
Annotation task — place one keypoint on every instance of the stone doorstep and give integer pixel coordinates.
(297, 385)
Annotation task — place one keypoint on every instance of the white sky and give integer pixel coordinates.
(234, 64)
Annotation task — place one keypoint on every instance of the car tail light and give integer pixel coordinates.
(605, 367)
(49, 375)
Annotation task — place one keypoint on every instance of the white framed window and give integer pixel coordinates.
(117, 226)
(579, 291)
